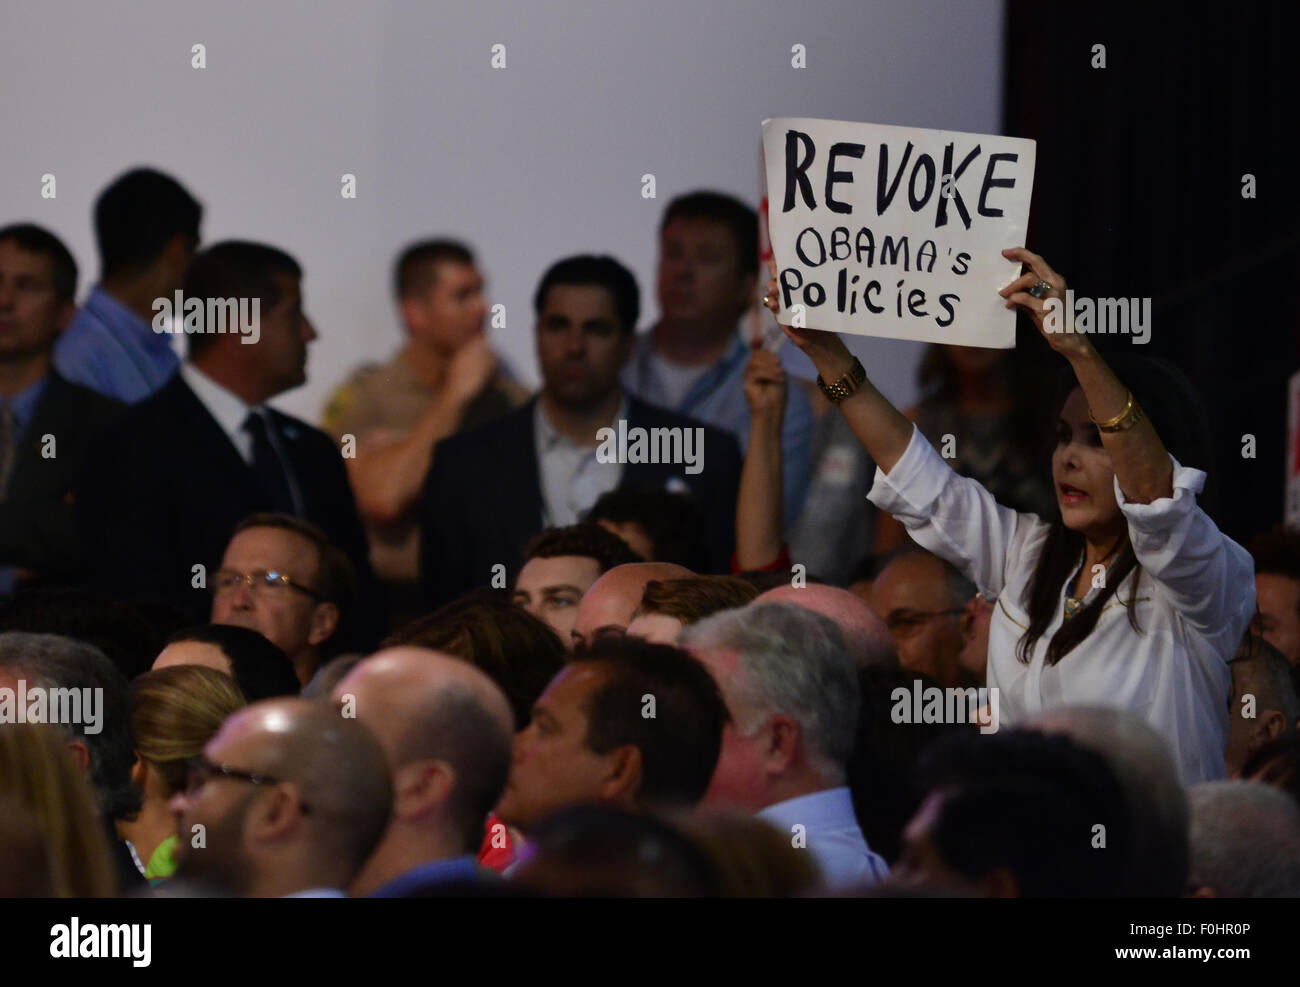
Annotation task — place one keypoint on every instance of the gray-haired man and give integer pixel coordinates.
(792, 691)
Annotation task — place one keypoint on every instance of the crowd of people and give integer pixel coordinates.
(445, 643)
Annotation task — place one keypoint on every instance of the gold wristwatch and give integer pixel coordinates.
(849, 382)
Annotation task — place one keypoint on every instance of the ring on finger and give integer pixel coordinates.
(1040, 290)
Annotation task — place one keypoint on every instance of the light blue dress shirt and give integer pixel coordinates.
(831, 834)
(718, 398)
(110, 349)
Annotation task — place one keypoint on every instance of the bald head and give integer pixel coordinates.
(923, 599)
(611, 600)
(446, 729)
(396, 690)
(319, 810)
(1141, 761)
(867, 637)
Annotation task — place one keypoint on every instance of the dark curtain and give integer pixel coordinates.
(1138, 193)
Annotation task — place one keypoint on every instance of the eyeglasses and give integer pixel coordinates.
(199, 771)
(905, 622)
(258, 581)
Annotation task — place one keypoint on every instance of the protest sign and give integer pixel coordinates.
(896, 231)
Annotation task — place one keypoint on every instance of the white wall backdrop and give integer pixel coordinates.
(528, 163)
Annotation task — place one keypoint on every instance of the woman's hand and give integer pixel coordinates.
(826, 350)
(765, 385)
(1068, 344)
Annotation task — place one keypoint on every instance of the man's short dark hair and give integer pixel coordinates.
(260, 669)
(236, 269)
(588, 541)
(137, 215)
(602, 272)
(52, 661)
(739, 218)
(672, 521)
(416, 270)
(335, 580)
(681, 741)
(1029, 803)
(38, 240)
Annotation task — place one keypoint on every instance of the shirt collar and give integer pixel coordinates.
(227, 408)
(112, 312)
(548, 436)
(23, 404)
(828, 808)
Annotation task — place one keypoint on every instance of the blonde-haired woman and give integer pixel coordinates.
(38, 773)
(175, 711)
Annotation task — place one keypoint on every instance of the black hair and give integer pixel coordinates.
(740, 219)
(38, 240)
(602, 272)
(1167, 398)
(680, 738)
(236, 269)
(137, 215)
(416, 269)
(672, 521)
(1033, 804)
(260, 668)
(588, 541)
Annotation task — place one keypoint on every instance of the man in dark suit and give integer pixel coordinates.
(491, 489)
(45, 421)
(163, 490)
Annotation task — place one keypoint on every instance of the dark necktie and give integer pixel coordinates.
(8, 445)
(268, 467)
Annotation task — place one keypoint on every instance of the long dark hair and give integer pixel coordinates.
(1167, 397)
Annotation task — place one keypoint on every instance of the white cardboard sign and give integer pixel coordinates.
(896, 231)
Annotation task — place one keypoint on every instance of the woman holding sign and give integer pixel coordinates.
(1130, 596)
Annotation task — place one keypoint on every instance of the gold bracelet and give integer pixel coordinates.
(849, 382)
(1126, 419)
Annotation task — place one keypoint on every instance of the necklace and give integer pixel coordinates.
(1073, 604)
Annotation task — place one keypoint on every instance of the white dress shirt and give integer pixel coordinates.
(1195, 599)
(571, 478)
(831, 834)
(227, 409)
(230, 413)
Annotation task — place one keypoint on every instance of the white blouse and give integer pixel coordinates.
(1195, 600)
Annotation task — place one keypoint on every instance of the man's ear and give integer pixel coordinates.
(324, 622)
(622, 781)
(178, 251)
(421, 788)
(66, 311)
(80, 752)
(1272, 725)
(784, 738)
(271, 818)
(412, 310)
